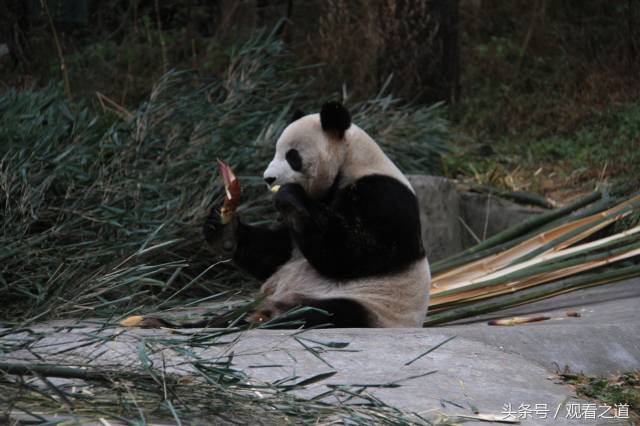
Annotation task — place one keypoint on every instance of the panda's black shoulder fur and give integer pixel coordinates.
(370, 227)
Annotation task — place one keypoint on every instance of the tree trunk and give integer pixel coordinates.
(421, 50)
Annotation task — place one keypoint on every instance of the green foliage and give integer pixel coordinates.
(102, 212)
(603, 146)
(552, 89)
(622, 389)
(194, 378)
(609, 137)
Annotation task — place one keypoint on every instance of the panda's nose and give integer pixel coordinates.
(269, 180)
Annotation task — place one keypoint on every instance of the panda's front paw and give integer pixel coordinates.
(290, 198)
(221, 238)
(212, 227)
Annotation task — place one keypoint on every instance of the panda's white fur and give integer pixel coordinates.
(397, 299)
(358, 154)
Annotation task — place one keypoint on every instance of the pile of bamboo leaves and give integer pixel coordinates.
(594, 240)
(102, 205)
(172, 381)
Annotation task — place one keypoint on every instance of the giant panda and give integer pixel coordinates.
(348, 242)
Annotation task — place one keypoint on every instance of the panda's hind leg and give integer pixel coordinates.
(333, 312)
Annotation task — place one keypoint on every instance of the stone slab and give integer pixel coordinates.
(605, 339)
(486, 215)
(453, 220)
(466, 375)
(439, 203)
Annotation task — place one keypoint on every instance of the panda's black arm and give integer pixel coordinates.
(257, 250)
(261, 251)
(371, 227)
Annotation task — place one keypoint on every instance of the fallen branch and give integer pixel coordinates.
(517, 196)
(47, 370)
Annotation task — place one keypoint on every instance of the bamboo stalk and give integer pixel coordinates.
(612, 215)
(518, 230)
(48, 370)
(163, 46)
(513, 287)
(552, 257)
(530, 295)
(440, 268)
(501, 265)
(543, 258)
(496, 262)
(551, 240)
(557, 269)
(517, 196)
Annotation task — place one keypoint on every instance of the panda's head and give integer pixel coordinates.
(311, 150)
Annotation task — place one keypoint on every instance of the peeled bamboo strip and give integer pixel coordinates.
(451, 312)
(631, 233)
(551, 240)
(521, 228)
(475, 292)
(465, 258)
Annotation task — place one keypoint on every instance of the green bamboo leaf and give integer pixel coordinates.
(314, 379)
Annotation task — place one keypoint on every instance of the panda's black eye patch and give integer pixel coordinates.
(294, 159)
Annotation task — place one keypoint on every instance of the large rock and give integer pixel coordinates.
(603, 340)
(488, 214)
(484, 367)
(439, 215)
(453, 220)
(456, 379)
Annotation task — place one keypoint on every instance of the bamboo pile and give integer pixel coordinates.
(552, 253)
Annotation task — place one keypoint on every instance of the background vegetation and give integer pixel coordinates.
(103, 211)
(547, 89)
(112, 114)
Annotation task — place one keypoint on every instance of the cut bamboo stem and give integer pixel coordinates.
(533, 294)
(518, 230)
(539, 274)
(552, 240)
(545, 258)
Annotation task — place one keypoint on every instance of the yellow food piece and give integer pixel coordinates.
(226, 216)
(275, 188)
(132, 321)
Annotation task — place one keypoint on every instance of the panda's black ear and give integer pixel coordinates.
(297, 114)
(335, 118)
